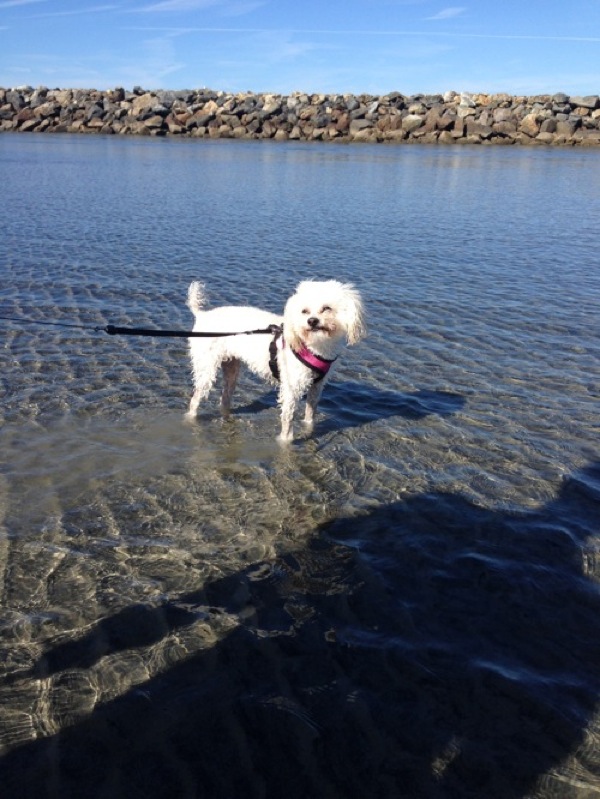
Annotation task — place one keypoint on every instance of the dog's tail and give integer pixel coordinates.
(196, 298)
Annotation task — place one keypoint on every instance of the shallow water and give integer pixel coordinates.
(405, 603)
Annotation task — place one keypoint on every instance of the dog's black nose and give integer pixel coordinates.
(312, 321)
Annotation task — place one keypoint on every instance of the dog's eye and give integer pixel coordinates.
(325, 308)
(305, 310)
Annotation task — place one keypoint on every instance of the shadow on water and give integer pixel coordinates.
(350, 404)
(428, 649)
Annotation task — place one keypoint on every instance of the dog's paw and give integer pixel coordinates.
(189, 417)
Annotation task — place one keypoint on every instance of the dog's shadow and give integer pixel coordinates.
(350, 404)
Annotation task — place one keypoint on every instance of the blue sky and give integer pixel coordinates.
(331, 46)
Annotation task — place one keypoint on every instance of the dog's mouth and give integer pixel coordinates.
(316, 326)
(318, 329)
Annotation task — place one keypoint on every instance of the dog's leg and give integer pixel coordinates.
(197, 397)
(195, 401)
(231, 370)
(287, 415)
(312, 400)
(203, 382)
(288, 406)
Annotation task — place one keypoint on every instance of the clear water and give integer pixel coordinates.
(404, 604)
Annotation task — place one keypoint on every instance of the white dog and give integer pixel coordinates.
(317, 321)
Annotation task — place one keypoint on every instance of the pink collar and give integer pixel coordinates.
(315, 362)
(319, 366)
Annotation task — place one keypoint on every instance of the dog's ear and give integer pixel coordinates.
(354, 315)
(290, 315)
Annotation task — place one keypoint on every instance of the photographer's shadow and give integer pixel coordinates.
(430, 649)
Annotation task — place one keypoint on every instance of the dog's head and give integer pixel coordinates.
(323, 311)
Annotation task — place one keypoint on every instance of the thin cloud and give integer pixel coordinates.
(14, 3)
(448, 13)
(238, 9)
(179, 5)
(319, 32)
(229, 8)
(153, 66)
(76, 12)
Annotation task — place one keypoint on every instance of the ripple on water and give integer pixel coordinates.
(421, 573)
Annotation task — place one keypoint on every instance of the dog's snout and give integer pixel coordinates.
(313, 321)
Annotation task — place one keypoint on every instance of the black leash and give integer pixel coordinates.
(141, 331)
(54, 324)
(113, 330)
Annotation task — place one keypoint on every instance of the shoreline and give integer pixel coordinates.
(451, 118)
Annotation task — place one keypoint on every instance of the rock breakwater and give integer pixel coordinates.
(451, 118)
